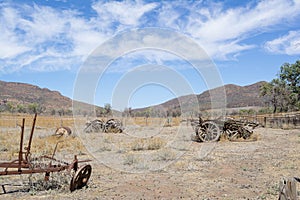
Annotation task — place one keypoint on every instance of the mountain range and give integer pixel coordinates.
(23, 93)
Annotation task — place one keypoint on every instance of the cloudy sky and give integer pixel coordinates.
(47, 42)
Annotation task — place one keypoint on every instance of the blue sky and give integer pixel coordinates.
(47, 42)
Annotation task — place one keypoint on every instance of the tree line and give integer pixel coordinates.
(21, 108)
(31, 108)
(282, 94)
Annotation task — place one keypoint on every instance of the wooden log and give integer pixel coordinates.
(287, 189)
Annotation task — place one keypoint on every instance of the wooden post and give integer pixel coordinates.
(287, 189)
(265, 122)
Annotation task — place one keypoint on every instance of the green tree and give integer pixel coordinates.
(127, 112)
(10, 107)
(108, 110)
(53, 112)
(100, 112)
(290, 73)
(21, 108)
(61, 112)
(278, 94)
(148, 112)
(35, 108)
(283, 92)
(69, 112)
(32, 108)
(130, 112)
(176, 112)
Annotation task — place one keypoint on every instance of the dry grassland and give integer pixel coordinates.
(153, 160)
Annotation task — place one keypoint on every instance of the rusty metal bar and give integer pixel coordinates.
(75, 165)
(56, 160)
(21, 144)
(14, 165)
(31, 134)
(53, 154)
(32, 171)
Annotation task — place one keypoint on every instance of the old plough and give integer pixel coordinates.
(211, 130)
(25, 164)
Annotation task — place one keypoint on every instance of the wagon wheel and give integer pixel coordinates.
(210, 131)
(245, 132)
(232, 134)
(81, 177)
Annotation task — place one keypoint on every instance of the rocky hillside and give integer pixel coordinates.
(26, 94)
(21, 96)
(22, 93)
(236, 97)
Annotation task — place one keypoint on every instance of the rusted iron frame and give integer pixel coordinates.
(23, 166)
(53, 168)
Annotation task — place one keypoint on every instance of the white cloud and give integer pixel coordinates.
(31, 32)
(32, 35)
(127, 13)
(288, 44)
(9, 41)
(240, 22)
(217, 29)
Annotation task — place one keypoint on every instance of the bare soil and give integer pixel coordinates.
(224, 170)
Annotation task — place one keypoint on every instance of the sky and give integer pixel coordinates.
(52, 43)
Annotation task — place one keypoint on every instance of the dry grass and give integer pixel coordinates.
(151, 121)
(43, 141)
(165, 155)
(13, 120)
(222, 167)
(40, 146)
(252, 138)
(64, 144)
(130, 159)
(147, 144)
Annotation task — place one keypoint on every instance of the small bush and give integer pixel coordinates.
(138, 145)
(147, 144)
(165, 155)
(129, 159)
(155, 144)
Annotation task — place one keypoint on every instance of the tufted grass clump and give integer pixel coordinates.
(147, 144)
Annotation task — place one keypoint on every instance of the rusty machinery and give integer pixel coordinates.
(24, 164)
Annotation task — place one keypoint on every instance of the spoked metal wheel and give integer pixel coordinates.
(81, 177)
(232, 134)
(113, 126)
(210, 132)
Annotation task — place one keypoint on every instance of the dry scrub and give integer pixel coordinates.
(247, 169)
(147, 144)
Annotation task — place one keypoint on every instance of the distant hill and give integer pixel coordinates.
(236, 97)
(26, 94)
